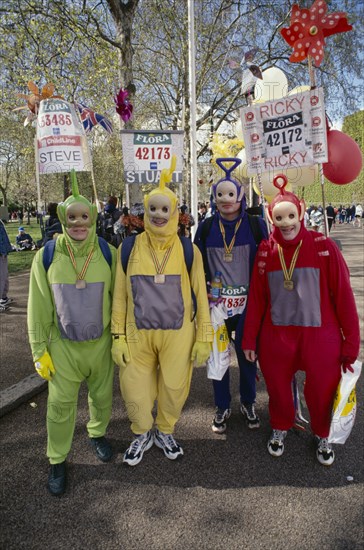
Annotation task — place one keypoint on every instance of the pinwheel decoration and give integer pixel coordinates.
(309, 28)
(36, 96)
(123, 106)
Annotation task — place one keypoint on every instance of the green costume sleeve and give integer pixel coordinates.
(40, 307)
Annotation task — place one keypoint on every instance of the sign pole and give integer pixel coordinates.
(37, 180)
(192, 101)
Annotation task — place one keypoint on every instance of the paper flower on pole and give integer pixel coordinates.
(36, 96)
(123, 106)
(309, 28)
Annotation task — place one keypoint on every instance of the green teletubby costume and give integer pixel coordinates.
(69, 311)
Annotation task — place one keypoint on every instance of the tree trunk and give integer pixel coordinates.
(123, 14)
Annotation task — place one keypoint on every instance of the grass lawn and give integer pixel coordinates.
(20, 261)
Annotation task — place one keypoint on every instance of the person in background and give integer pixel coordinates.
(358, 215)
(53, 226)
(5, 249)
(24, 241)
(300, 301)
(330, 212)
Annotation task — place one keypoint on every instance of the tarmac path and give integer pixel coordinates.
(226, 492)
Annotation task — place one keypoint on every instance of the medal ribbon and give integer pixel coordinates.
(229, 248)
(82, 273)
(289, 272)
(160, 266)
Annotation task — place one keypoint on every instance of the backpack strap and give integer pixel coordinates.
(256, 229)
(48, 253)
(106, 252)
(126, 249)
(50, 247)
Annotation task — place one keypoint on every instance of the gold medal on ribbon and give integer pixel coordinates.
(288, 284)
(228, 255)
(80, 284)
(80, 281)
(159, 279)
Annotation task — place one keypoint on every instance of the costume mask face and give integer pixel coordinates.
(159, 210)
(78, 221)
(227, 199)
(228, 192)
(286, 218)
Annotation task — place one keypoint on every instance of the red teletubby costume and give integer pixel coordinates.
(301, 316)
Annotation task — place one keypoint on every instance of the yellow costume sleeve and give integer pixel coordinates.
(204, 331)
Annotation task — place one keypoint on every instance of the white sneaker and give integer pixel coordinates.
(139, 445)
(324, 453)
(275, 443)
(168, 444)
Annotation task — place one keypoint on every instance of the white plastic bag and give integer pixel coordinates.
(219, 360)
(344, 408)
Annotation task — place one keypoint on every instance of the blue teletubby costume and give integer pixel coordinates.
(229, 246)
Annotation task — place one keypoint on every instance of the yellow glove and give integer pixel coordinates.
(120, 351)
(201, 352)
(44, 366)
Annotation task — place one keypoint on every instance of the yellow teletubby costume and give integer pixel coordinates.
(156, 339)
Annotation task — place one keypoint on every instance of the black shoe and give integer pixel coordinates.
(57, 479)
(219, 421)
(248, 411)
(102, 448)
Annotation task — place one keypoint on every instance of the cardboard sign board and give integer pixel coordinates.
(146, 153)
(285, 133)
(61, 142)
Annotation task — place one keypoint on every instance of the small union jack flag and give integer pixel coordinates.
(89, 119)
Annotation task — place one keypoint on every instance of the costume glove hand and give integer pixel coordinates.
(346, 363)
(201, 352)
(250, 355)
(44, 366)
(120, 351)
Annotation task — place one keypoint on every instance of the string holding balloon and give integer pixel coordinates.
(306, 35)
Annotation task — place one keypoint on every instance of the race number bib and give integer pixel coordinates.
(234, 299)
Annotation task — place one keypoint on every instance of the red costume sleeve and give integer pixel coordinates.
(258, 298)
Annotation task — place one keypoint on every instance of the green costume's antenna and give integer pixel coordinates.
(74, 184)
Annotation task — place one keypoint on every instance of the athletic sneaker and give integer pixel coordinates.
(139, 445)
(325, 454)
(168, 444)
(4, 308)
(6, 301)
(252, 419)
(275, 443)
(219, 421)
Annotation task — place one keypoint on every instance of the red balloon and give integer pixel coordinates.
(344, 158)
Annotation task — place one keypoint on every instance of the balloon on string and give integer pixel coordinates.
(299, 176)
(238, 129)
(344, 158)
(270, 190)
(273, 86)
(299, 90)
(242, 170)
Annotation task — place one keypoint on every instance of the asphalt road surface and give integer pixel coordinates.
(226, 492)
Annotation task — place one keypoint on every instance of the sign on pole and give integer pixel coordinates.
(285, 133)
(61, 142)
(146, 153)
